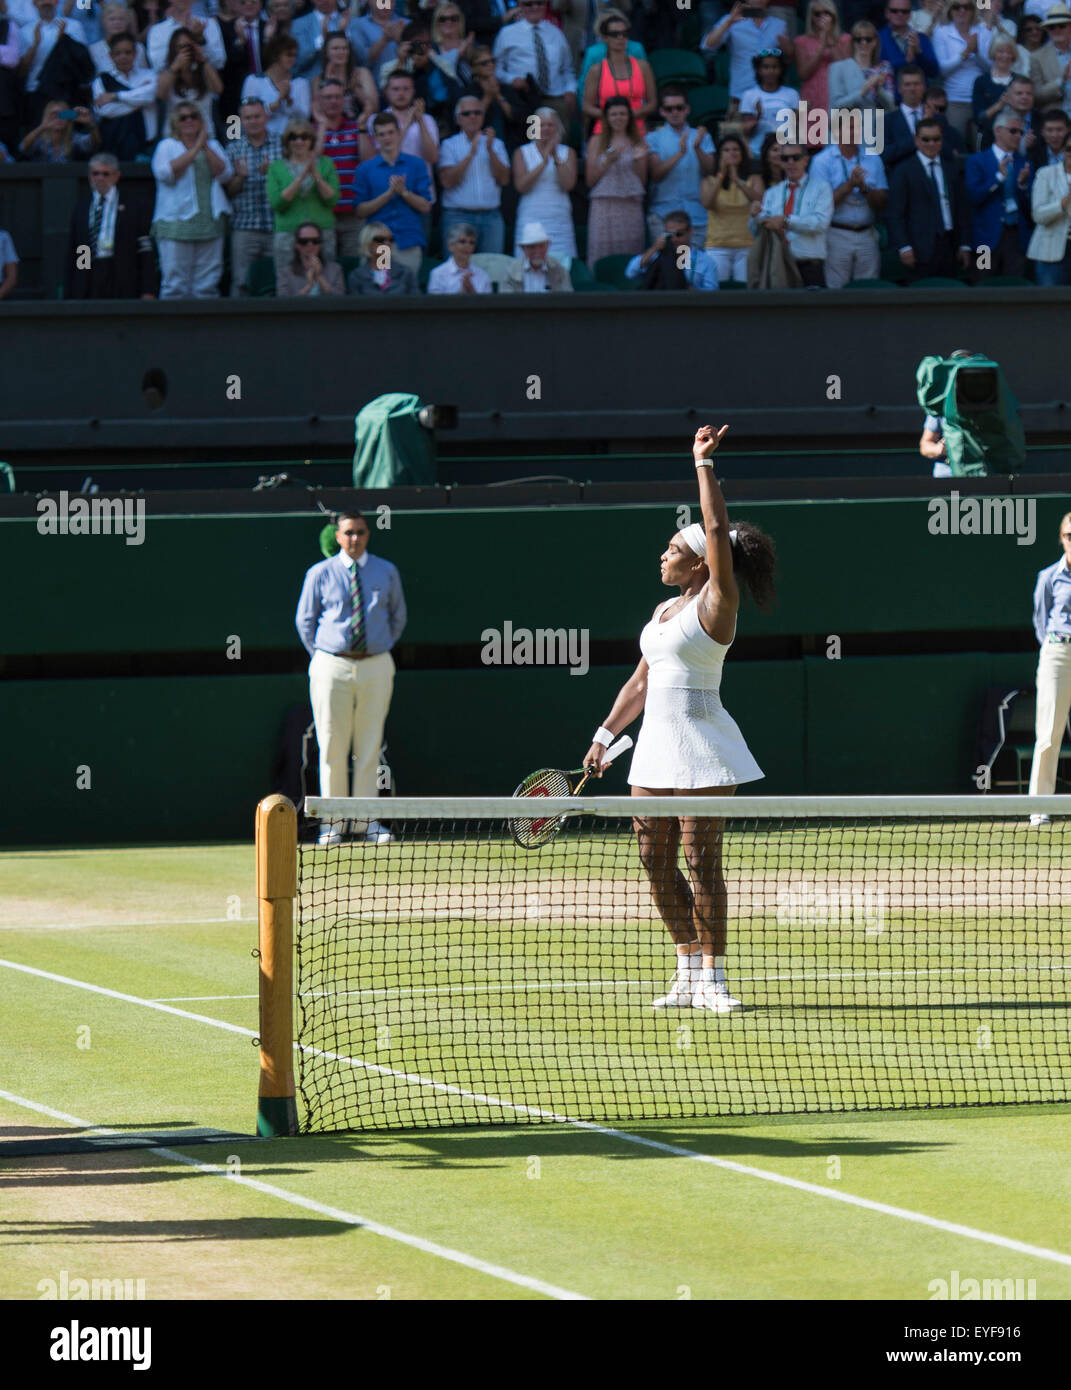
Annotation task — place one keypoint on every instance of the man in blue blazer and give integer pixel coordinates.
(998, 182)
(901, 44)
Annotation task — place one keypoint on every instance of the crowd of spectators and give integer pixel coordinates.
(522, 142)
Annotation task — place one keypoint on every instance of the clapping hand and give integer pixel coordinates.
(396, 184)
(467, 287)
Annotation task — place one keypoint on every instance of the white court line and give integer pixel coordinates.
(624, 1136)
(138, 922)
(349, 1218)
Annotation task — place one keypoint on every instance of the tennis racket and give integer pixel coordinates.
(531, 831)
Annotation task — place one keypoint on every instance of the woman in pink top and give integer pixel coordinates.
(822, 43)
(619, 75)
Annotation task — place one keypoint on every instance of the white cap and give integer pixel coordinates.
(531, 233)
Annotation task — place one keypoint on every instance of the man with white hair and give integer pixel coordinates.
(458, 275)
(473, 170)
(998, 180)
(535, 270)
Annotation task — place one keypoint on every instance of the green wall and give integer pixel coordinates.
(196, 581)
(187, 757)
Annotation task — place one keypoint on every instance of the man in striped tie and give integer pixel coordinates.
(350, 614)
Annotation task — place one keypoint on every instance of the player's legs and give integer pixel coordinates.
(701, 838)
(659, 838)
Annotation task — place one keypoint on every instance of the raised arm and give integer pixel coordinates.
(719, 598)
(627, 707)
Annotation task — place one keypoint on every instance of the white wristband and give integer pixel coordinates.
(603, 736)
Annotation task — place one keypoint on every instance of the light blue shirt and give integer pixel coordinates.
(746, 40)
(835, 167)
(679, 190)
(324, 611)
(1052, 601)
(701, 274)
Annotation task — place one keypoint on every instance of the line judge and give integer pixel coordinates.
(350, 614)
(1052, 627)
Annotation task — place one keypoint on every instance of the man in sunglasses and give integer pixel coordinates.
(681, 155)
(998, 183)
(801, 209)
(901, 44)
(929, 215)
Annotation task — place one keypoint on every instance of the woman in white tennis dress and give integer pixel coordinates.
(688, 745)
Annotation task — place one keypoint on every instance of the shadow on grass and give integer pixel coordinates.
(485, 1148)
(137, 1232)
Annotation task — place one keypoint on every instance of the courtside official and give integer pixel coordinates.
(350, 614)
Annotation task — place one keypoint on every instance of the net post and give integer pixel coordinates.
(276, 840)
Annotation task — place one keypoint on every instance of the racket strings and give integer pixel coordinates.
(530, 831)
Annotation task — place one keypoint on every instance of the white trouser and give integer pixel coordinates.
(350, 700)
(190, 269)
(731, 262)
(1054, 702)
(851, 256)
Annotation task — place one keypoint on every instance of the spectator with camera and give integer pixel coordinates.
(188, 77)
(671, 261)
(65, 135)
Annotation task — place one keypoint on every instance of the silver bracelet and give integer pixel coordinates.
(603, 736)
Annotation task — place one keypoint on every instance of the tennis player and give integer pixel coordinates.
(688, 745)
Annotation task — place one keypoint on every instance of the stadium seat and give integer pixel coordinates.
(496, 265)
(260, 278)
(348, 264)
(870, 285)
(427, 265)
(610, 270)
(708, 104)
(677, 65)
(938, 282)
(582, 278)
(722, 67)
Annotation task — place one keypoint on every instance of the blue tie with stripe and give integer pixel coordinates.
(358, 642)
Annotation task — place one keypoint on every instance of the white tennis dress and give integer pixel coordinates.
(687, 739)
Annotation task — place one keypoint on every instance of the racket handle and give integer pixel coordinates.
(623, 744)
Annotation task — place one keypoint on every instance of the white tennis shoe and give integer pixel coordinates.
(681, 992)
(1035, 821)
(330, 834)
(713, 994)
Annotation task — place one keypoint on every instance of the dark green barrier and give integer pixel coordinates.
(195, 583)
(186, 759)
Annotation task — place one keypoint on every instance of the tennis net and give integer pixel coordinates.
(879, 953)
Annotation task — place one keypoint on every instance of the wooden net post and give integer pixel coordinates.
(276, 891)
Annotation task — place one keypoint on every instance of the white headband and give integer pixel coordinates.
(696, 537)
